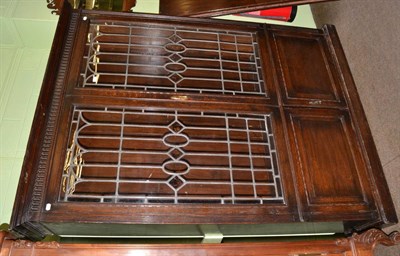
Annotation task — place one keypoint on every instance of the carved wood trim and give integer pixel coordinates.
(23, 244)
(24, 221)
(50, 133)
(26, 244)
(373, 237)
(365, 243)
(48, 245)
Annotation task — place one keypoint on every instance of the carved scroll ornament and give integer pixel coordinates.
(370, 239)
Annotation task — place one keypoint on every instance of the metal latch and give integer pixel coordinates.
(212, 234)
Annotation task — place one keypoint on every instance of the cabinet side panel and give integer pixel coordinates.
(378, 182)
(329, 165)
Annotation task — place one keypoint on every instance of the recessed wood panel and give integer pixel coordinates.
(307, 74)
(329, 160)
(329, 167)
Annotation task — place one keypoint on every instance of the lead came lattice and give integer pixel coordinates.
(170, 58)
(142, 156)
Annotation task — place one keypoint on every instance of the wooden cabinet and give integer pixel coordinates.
(152, 120)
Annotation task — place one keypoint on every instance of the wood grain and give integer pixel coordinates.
(194, 8)
(138, 112)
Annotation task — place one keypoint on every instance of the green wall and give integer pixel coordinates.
(27, 29)
(26, 33)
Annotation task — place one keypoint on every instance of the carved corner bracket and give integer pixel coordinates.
(370, 239)
(373, 237)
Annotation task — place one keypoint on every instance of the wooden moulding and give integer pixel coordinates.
(195, 8)
(356, 245)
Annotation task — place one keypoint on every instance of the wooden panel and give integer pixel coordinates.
(382, 195)
(356, 245)
(195, 8)
(306, 71)
(330, 170)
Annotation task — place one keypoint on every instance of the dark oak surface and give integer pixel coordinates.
(331, 172)
(357, 245)
(194, 8)
(308, 74)
(163, 120)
